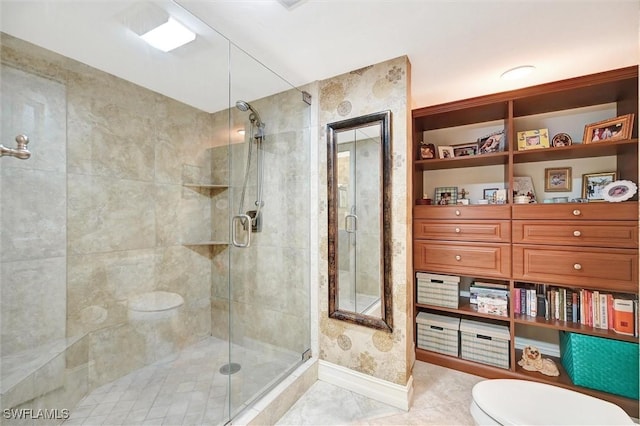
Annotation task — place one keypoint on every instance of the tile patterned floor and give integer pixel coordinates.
(441, 397)
(187, 389)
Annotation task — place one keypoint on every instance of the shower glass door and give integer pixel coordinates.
(268, 282)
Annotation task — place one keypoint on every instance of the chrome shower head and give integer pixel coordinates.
(254, 117)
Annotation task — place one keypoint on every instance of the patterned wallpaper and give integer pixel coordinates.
(380, 87)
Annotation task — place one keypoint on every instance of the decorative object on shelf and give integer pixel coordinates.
(533, 139)
(445, 152)
(465, 149)
(493, 142)
(557, 179)
(561, 139)
(446, 195)
(593, 183)
(618, 128)
(619, 190)
(427, 151)
(489, 194)
(501, 196)
(532, 361)
(523, 185)
(463, 200)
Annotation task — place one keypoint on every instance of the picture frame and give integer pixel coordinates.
(594, 183)
(426, 151)
(494, 142)
(445, 152)
(446, 195)
(533, 139)
(465, 149)
(619, 190)
(489, 194)
(557, 179)
(523, 185)
(613, 129)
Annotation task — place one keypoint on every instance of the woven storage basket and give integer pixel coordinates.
(438, 333)
(604, 364)
(438, 290)
(485, 343)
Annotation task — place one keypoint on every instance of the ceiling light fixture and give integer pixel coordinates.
(168, 36)
(517, 72)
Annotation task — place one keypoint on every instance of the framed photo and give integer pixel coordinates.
(489, 194)
(614, 129)
(445, 152)
(491, 143)
(523, 185)
(557, 179)
(593, 184)
(465, 149)
(561, 139)
(446, 195)
(427, 151)
(533, 139)
(619, 190)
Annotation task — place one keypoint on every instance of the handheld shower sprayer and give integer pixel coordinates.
(254, 117)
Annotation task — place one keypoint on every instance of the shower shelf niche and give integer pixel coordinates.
(213, 187)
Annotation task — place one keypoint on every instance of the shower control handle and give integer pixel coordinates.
(244, 220)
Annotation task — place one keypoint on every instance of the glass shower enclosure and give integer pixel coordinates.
(118, 244)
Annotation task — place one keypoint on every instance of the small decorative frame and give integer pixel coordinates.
(489, 194)
(445, 152)
(491, 143)
(557, 179)
(561, 139)
(427, 151)
(619, 190)
(533, 139)
(523, 185)
(614, 129)
(465, 149)
(594, 183)
(446, 195)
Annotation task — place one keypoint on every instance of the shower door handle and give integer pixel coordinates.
(244, 220)
(347, 228)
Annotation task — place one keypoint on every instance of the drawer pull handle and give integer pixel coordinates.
(457, 230)
(458, 257)
(577, 233)
(577, 212)
(577, 266)
(457, 212)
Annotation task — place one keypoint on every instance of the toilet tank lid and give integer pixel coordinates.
(520, 402)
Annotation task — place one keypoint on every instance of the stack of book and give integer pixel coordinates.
(593, 308)
(490, 298)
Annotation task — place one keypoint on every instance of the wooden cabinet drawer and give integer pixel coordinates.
(462, 212)
(623, 234)
(467, 230)
(613, 269)
(475, 259)
(627, 210)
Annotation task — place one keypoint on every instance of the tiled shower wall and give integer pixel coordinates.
(128, 152)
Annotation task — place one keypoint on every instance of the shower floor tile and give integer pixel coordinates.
(185, 389)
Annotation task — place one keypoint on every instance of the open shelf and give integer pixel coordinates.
(572, 327)
(205, 185)
(464, 308)
(207, 243)
(576, 151)
(490, 159)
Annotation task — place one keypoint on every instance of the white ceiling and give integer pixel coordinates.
(457, 48)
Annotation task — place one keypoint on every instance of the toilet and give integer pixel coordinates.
(523, 402)
(155, 317)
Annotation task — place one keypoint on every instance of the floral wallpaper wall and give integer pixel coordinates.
(380, 87)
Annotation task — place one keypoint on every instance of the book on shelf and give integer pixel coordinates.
(623, 316)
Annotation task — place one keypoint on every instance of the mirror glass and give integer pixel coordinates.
(359, 194)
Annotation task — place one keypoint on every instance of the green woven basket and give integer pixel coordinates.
(604, 364)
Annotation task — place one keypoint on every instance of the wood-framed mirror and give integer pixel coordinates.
(359, 199)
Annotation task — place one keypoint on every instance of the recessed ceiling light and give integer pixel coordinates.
(517, 72)
(168, 36)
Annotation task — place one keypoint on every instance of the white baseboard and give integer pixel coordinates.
(381, 390)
